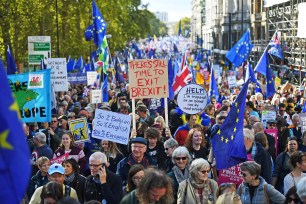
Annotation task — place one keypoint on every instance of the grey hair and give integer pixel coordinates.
(197, 164)
(170, 143)
(295, 116)
(41, 137)
(252, 167)
(181, 150)
(248, 134)
(301, 188)
(101, 157)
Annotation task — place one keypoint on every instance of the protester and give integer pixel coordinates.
(301, 190)
(136, 174)
(51, 193)
(298, 163)
(292, 196)
(113, 154)
(302, 147)
(41, 177)
(180, 172)
(144, 116)
(155, 187)
(181, 133)
(229, 198)
(195, 143)
(198, 187)
(282, 167)
(102, 185)
(73, 178)
(254, 188)
(56, 174)
(68, 146)
(170, 145)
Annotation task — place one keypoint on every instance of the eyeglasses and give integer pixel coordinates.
(295, 200)
(138, 147)
(94, 165)
(205, 171)
(136, 178)
(227, 185)
(180, 158)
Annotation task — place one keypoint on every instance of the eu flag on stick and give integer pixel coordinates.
(275, 46)
(228, 143)
(170, 78)
(97, 29)
(15, 168)
(11, 65)
(251, 76)
(213, 88)
(241, 50)
(270, 82)
(180, 28)
(104, 90)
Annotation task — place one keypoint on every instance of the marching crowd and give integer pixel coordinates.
(171, 163)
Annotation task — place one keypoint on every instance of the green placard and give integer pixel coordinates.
(35, 58)
(41, 46)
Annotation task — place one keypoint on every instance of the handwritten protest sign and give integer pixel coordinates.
(230, 175)
(91, 77)
(79, 130)
(192, 98)
(95, 96)
(148, 78)
(111, 126)
(231, 81)
(267, 115)
(60, 159)
(303, 121)
(58, 73)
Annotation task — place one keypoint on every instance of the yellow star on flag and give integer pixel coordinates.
(237, 120)
(219, 132)
(14, 107)
(226, 140)
(232, 137)
(222, 138)
(235, 129)
(3, 141)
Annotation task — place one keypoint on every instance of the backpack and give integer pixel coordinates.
(67, 191)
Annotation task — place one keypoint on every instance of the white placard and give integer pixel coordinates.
(58, 73)
(95, 96)
(267, 115)
(301, 32)
(192, 98)
(91, 77)
(231, 81)
(111, 126)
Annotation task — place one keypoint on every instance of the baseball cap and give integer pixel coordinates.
(63, 117)
(56, 168)
(140, 140)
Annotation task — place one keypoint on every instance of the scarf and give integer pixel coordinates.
(69, 179)
(179, 174)
(207, 194)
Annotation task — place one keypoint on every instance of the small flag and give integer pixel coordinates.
(11, 65)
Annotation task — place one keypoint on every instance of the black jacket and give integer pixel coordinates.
(36, 181)
(263, 158)
(111, 191)
(78, 184)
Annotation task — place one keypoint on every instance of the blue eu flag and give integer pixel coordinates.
(228, 143)
(270, 83)
(262, 63)
(104, 89)
(119, 73)
(11, 65)
(170, 78)
(15, 168)
(213, 86)
(97, 29)
(251, 76)
(241, 50)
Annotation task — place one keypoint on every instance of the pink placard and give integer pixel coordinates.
(230, 175)
(60, 159)
(274, 133)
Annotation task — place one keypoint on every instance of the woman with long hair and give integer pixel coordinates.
(136, 174)
(51, 193)
(298, 162)
(195, 143)
(68, 147)
(113, 154)
(73, 178)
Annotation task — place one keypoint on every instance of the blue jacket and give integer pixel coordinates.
(263, 192)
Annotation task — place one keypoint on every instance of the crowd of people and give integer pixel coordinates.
(167, 163)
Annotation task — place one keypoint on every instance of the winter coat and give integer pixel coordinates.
(78, 184)
(36, 181)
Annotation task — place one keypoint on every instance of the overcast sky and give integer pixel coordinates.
(176, 9)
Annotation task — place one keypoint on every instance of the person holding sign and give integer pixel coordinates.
(68, 146)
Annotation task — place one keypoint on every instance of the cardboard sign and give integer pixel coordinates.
(95, 96)
(58, 73)
(79, 130)
(60, 159)
(230, 175)
(267, 115)
(192, 99)
(111, 126)
(91, 77)
(148, 78)
(303, 121)
(231, 81)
